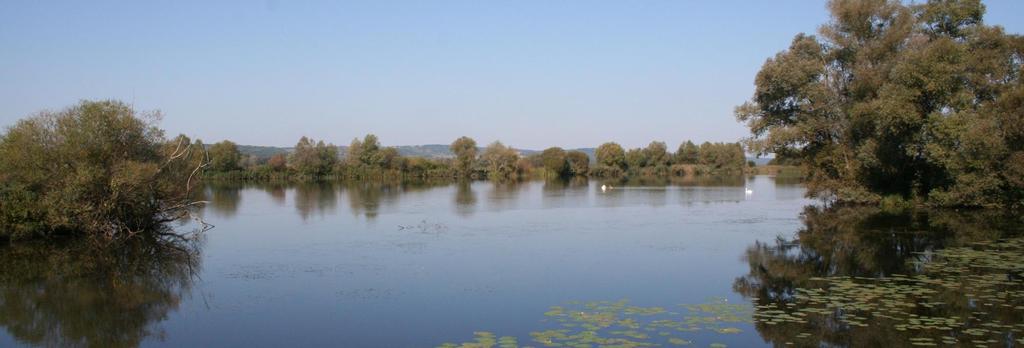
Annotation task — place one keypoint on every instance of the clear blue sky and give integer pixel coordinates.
(530, 73)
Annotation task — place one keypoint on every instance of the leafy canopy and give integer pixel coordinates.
(922, 102)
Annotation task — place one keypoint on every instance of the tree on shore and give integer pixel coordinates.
(313, 158)
(610, 154)
(464, 149)
(368, 157)
(917, 101)
(656, 154)
(688, 153)
(611, 160)
(554, 161)
(635, 160)
(94, 169)
(502, 161)
(278, 162)
(224, 157)
(722, 157)
(579, 163)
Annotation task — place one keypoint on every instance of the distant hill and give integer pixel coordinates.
(425, 151)
(262, 151)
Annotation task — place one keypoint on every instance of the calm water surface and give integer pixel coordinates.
(417, 265)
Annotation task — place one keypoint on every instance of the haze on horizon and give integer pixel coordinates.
(532, 74)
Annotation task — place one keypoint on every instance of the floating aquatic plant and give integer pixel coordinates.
(618, 324)
(961, 296)
(970, 295)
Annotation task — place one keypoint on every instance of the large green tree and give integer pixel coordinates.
(579, 163)
(635, 160)
(96, 169)
(922, 101)
(554, 161)
(224, 156)
(610, 154)
(464, 149)
(688, 153)
(656, 154)
(502, 161)
(368, 154)
(722, 157)
(313, 158)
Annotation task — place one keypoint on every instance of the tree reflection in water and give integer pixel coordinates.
(465, 198)
(369, 198)
(72, 293)
(225, 198)
(862, 277)
(315, 199)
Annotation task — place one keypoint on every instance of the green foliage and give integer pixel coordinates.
(313, 158)
(423, 168)
(555, 161)
(502, 161)
(867, 276)
(579, 163)
(722, 157)
(635, 159)
(603, 171)
(610, 155)
(367, 158)
(654, 160)
(656, 154)
(688, 153)
(784, 160)
(895, 204)
(464, 149)
(921, 101)
(621, 324)
(278, 163)
(683, 169)
(354, 154)
(368, 154)
(93, 169)
(224, 157)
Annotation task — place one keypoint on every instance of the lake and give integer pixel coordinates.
(696, 262)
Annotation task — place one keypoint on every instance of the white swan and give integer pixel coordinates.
(604, 188)
(748, 190)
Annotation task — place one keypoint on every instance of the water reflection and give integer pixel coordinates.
(369, 199)
(566, 186)
(691, 180)
(465, 198)
(71, 294)
(222, 200)
(563, 192)
(276, 191)
(415, 263)
(863, 277)
(315, 199)
(504, 195)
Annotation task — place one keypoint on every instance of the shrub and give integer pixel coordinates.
(93, 169)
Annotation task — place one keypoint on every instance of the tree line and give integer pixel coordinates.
(655, 160)
(99, 168)
(367, 159)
